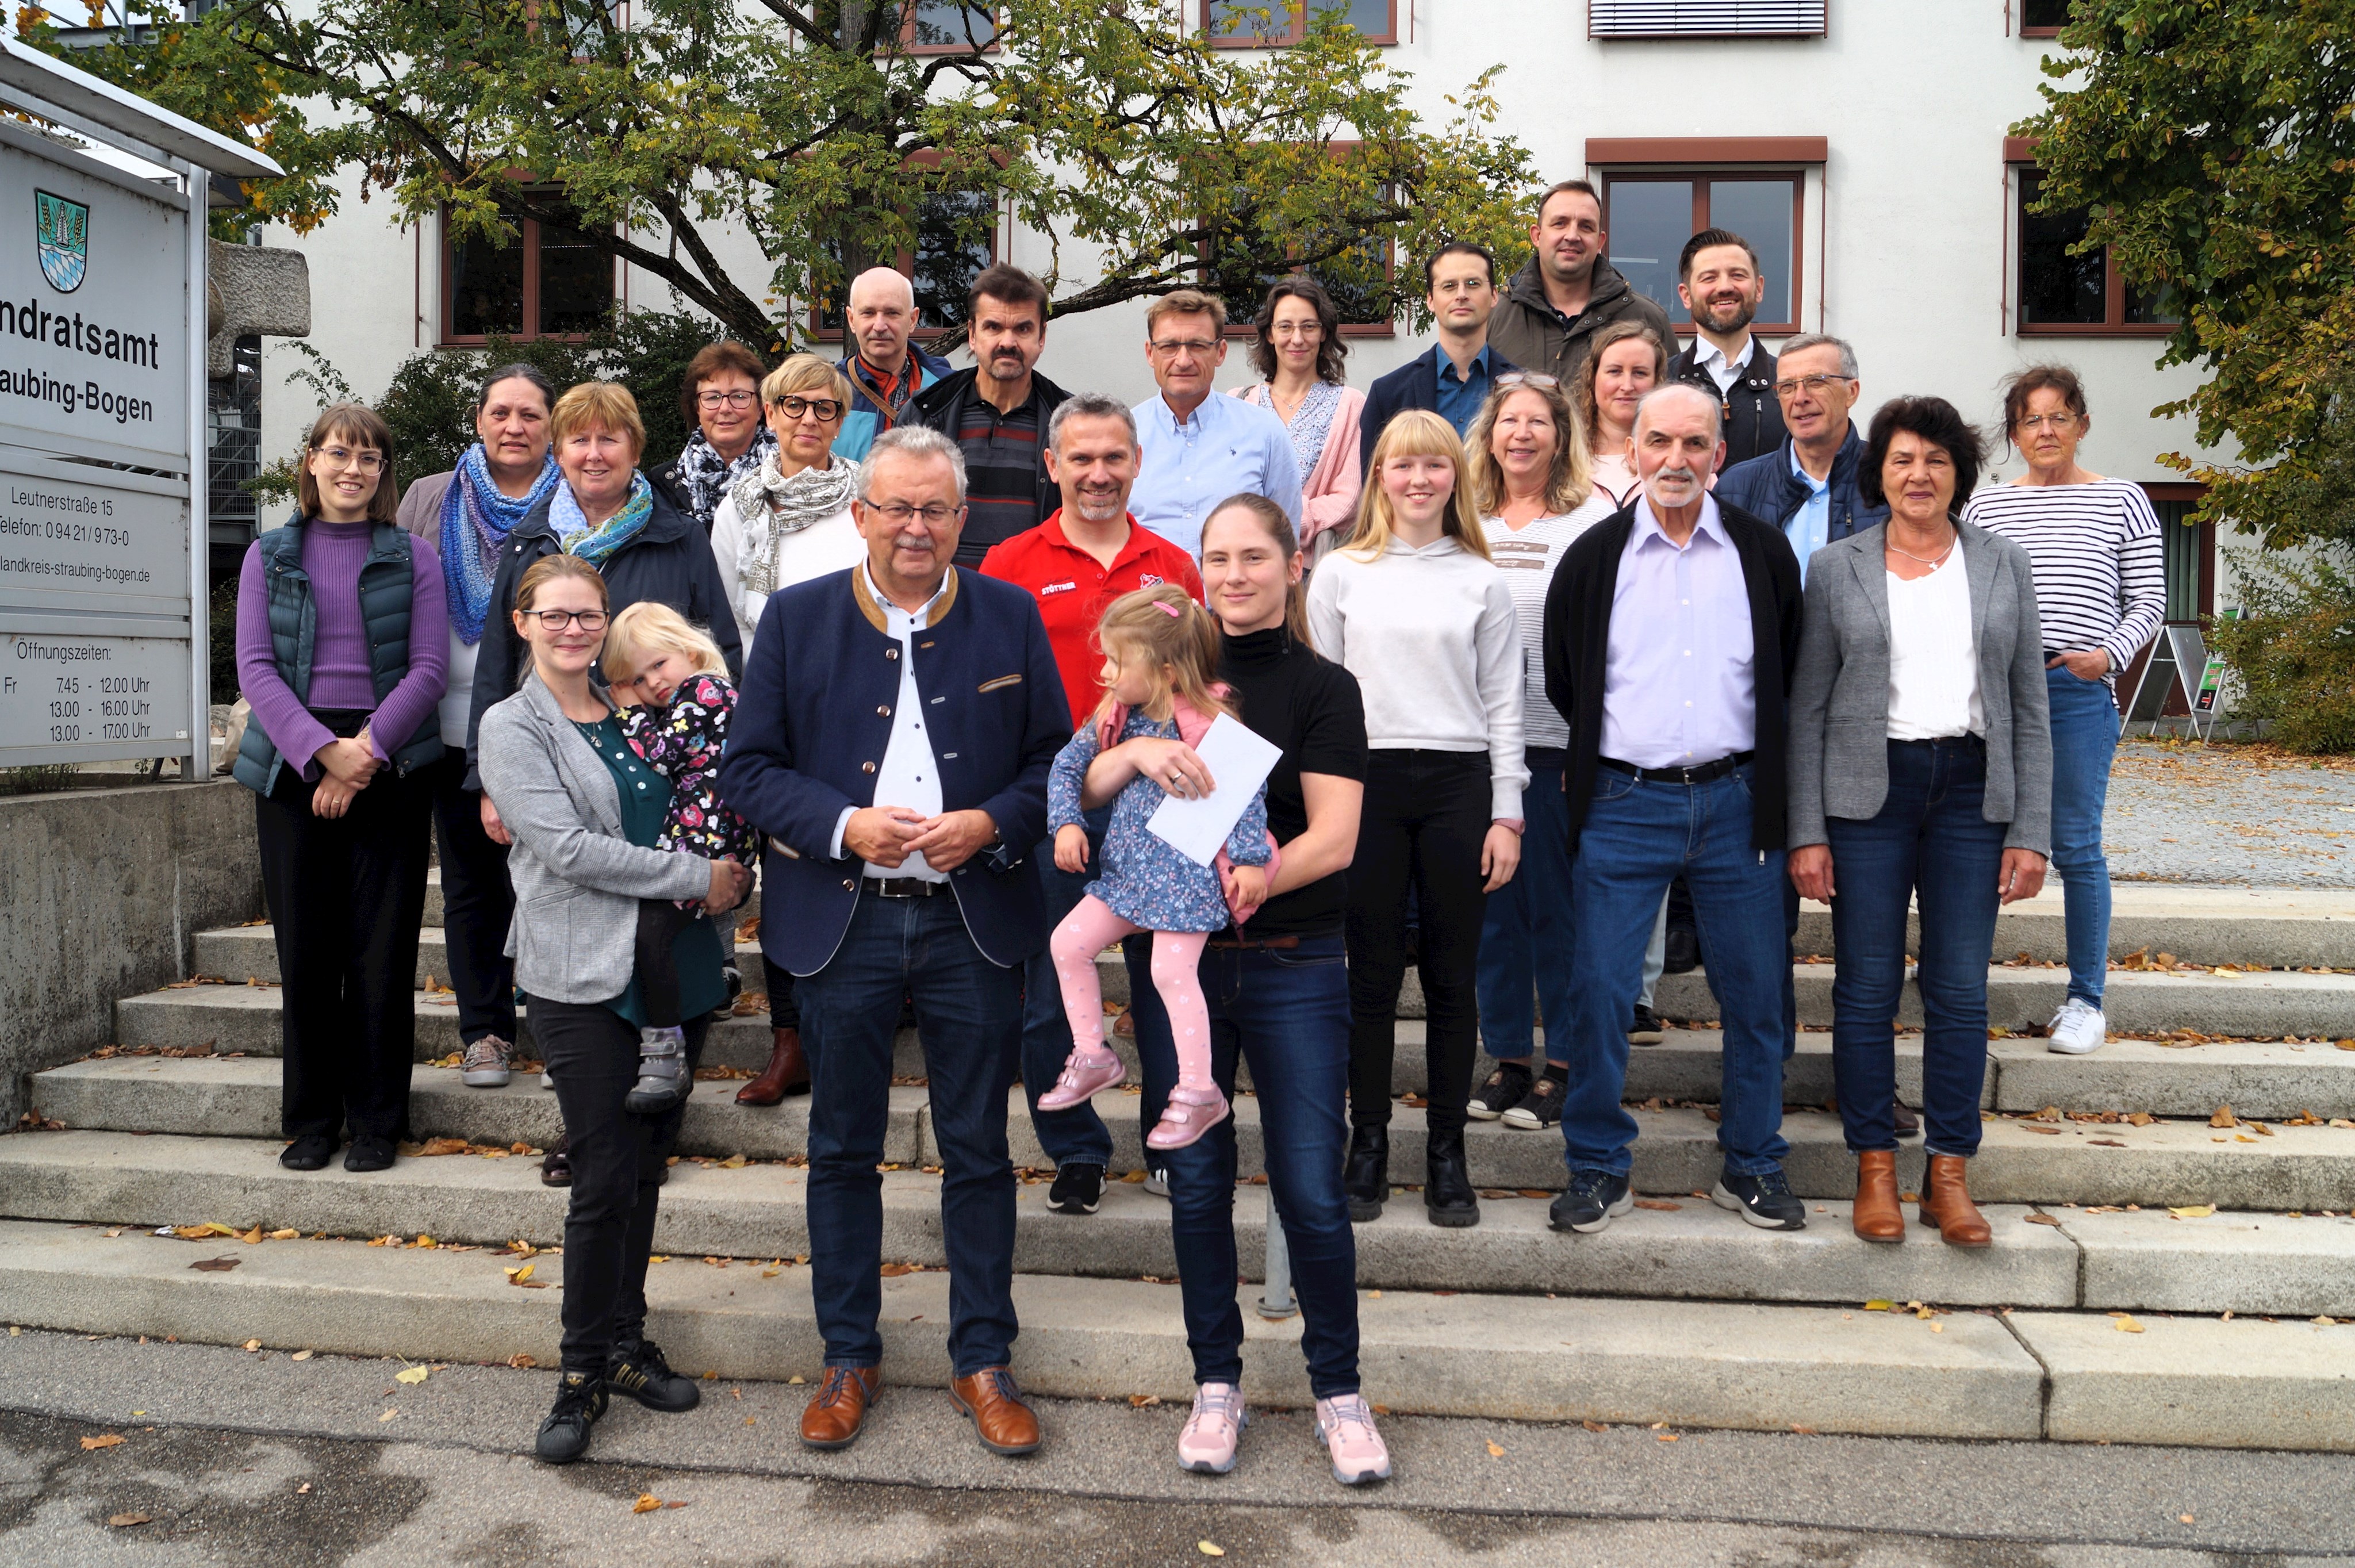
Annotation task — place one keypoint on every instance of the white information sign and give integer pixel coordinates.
(73, 697)
(76, 537)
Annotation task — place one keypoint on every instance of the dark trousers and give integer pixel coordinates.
(477, 904)
(785, 1009)
(1928, 844)
(660, 921)
(1526, 940)
(617, 1163)
(1425, 817)
(346, 896)
(1287, 1012)
(969, 1017)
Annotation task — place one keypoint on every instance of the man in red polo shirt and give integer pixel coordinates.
(1075, 564)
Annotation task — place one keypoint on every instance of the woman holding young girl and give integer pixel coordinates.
(1415, 608)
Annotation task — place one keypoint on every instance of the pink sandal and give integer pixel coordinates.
(1190, 1113)
(1083, 1076)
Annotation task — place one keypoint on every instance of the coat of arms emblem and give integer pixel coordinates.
(63, 229)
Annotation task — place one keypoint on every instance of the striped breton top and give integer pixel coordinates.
(1528, 557)
(2101, 578)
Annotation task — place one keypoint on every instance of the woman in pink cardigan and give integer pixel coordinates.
(1298, 354)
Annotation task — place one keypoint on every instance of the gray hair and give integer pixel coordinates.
(1823, 340)
(1087, 406)
(1685, 390)
(911, 441)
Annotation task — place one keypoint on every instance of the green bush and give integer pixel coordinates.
(2293, 647)
(224, 641)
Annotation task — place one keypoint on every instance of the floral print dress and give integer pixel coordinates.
(1142, 878)
(683, 742)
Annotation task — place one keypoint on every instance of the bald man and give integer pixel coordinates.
(885, 366)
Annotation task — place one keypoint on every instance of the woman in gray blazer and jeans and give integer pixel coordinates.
(1921, 769)
(584, 812)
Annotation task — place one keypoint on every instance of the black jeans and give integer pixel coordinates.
(477, 904)
(784, 1008)
(659, 923)
(345, 897)
(1425, 817)
(617, 1161)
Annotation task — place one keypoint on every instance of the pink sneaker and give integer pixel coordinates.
(1084, 1074)
(1190, 1113)
(1208, 1444)
(1347, 1429)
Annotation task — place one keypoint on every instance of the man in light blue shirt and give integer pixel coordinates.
(1201, 448)
(1810, 528)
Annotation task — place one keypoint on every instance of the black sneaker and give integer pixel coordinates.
(367, 1154)
(1542, 1108)
(310, 1152)
(1593, 1200)
(580, 1399)
(556, 1164)
(1645, 1028)
(1078, 1190)
(1683, 952)
(1507, 1087)
(640, 1371)
(1764, 1201)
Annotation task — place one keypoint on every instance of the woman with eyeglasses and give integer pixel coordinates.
(1300, 355)
(2100, 594)
(1625, 362)
(787, 522)
(342, 649)
(720, 397)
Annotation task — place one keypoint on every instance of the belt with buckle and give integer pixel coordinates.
(1273, 944)
(1700, 774)
(906, 887)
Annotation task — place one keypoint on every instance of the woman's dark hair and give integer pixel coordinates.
(2022, 384)
(709, 361)
(1935, 420)
(1330, 349)
(354, 424)
(518, 371)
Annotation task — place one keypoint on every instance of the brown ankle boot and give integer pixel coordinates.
(1878, 1218)
(786, 1074)
(1947, 1203)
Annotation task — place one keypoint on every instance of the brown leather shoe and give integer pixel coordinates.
(1878, 1217)
(1947, 1203)
(1005, 1424)
(1907, 1124)
(786, 1074)
(834, 1417)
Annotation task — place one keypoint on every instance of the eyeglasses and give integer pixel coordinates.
(2054, 422)
(739, 399)
(1808, 383)
(557, 620)
(1525, 379)
(900, 513)
(370, 462)
(1175, 347)
(793, 406)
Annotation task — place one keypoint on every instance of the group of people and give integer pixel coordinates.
(1545, 624)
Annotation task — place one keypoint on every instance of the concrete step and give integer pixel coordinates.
(750, 910)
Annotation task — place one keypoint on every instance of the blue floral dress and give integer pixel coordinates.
(1142, 878)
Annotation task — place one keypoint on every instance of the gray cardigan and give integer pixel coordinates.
(577, 880)
(1840, 693)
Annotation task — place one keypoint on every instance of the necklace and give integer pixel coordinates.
(1933, 563)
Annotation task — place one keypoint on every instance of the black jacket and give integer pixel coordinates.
(1577, 640)
(1528, 330)
(941, 406)
(1413, 385)
(670, 562)
(1754, 415)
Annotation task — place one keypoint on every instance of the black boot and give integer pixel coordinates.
(1366, 1176)
(1447, 1196)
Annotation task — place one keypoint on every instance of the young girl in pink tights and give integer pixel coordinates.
(1161, 654)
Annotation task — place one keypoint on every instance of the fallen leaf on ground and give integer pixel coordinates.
(518, 1275)
(1880, 1305)
(125, 1521)
(1808, 1431)
(893, 1271)
(2049, 1132)
(1139, 1401)
(2104, 1143)
(410, 1375)
(304, 1489)
(252, 1346)
(2125, 1324)
(388, 1415)
(1667, 1436)
(2184, 1518)
(109, 1441)
(2193, 1212)
(647, 1502)
(733, 1162)
(1210, 1549)
(522, 1362)
(213, 1265)
(2223, 1118)
(2041, 1220)
(1656, 1203)
(300, 1356)
(2142, 1119)
(1495, 1452)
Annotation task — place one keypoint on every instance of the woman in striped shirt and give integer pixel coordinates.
(2101, 593)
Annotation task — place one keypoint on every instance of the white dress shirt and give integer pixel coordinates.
(909, 776)
(1721, 370)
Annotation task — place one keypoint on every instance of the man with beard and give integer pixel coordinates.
(997, 411)
(1568, 291)
(1718, 281)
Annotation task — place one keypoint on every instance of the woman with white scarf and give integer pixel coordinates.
(786, 522)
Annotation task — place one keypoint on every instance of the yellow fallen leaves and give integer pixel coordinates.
(2124, 1324)
(521, 1276)
(301, 1356)
(2193, 1212)
(2223, 1118)
(647, 1503)
(109, 1441)
(1210, 1549)
(1495, 1452)
(126, 1520)
(1880, 1306)
(252, 1346)
(410, 1375)
(388, 1415)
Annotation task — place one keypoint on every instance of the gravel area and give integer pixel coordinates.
(2251, 815)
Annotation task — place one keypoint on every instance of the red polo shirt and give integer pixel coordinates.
(1073, 590)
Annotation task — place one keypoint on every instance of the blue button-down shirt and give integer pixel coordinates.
(1679, 688)
(1225, 447)
(1810, 528)
(1459, 399)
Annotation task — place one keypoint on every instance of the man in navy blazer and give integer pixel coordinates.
(1455, 377)
(892, 742)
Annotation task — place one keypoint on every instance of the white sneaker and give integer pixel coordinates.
(1345, 1426)
(2078, 1027)
(548, 1080)
(1208, 1444)
(1157, 1181)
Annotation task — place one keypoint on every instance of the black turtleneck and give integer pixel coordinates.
(1310, 707)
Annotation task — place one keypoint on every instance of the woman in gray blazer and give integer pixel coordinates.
(1922, 769)
(584, 812)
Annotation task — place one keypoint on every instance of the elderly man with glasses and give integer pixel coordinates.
(1198, 449)
(892, 742)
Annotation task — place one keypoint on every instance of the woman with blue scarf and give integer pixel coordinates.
(467, 515)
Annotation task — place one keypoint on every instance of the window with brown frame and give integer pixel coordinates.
(548, 281)
(946, 26)
(2042, 18)
(1648, 215)
(2068, 294)
(1272, 24)
(953, 247)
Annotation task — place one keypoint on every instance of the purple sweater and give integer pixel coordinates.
(332, 554)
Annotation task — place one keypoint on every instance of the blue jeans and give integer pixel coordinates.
(1928, 842)
(2085, 734)
(1288, 1013)
(1638, 836)
(1525, 940)
(1078, 1133)
(969, 1017)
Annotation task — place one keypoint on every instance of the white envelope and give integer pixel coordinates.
(1240, 761)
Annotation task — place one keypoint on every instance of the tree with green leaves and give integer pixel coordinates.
(1150, 158)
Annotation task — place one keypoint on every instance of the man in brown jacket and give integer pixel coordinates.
(1567, 292)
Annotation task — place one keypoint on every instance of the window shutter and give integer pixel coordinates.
(1707, 18)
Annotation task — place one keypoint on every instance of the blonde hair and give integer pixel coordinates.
(1186, 302)
(1415, 433)
(647, 627)
(806, 373)
(548, 569)
(1570, 479)
(598, 405)
(1173, 632)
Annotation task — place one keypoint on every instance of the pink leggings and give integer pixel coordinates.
(1091, 927)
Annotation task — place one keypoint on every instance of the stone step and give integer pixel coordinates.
(750, 911)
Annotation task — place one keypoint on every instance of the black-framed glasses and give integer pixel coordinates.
(902, 514)
(793, 405)
(557, 620)
(739, 399)
(1809, 383)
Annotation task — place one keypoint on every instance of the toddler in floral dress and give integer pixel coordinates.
(1161, 652)
(676, 703)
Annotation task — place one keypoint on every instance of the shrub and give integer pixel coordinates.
(2293, 646)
